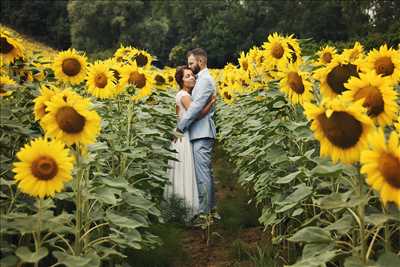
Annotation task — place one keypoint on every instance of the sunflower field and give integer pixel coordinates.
(85, 148)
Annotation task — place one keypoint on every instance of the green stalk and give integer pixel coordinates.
(387, 232)
(361, 215)
(38, 240)
(78, 202)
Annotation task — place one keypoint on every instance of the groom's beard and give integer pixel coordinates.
(196, 69)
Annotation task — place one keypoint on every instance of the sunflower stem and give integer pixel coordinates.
(39, 229)
(78, 202)
(387, 232)
(361, 215)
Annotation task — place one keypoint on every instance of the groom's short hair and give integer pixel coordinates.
(198, 52)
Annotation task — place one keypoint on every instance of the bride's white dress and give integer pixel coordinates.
(181, 174)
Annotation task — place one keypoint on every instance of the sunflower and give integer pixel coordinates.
(116, 69)
(385, 62)
(169, 74)
(122, 53)
(397, 125)
(160, 81)
(70, 120)
(295, 51)
(140, 80)
(5, 85)
(296, 85)
(381, 164)
(10, 48)
(46, 93)
(325, 55)
(355, 53)
(378, 94)
(341, 127)
(244, 62)
(43, 167)
(333, 76)
(101, 80)
(227, 96)
(70, 66)
(142, 58)
(277, 51)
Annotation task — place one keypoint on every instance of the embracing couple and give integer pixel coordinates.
(191, 176)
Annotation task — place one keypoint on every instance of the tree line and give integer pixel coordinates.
(168, 29)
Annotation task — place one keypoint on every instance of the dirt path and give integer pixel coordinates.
(225, 246)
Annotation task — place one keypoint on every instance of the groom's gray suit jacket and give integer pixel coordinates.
(204, 127)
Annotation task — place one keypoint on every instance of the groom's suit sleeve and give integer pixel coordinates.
(206, 91)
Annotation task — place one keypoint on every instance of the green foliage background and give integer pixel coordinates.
(226, 27)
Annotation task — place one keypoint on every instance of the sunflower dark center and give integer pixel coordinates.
(227, 96)
(100, 80)
(71, 66)
(295, 82)
(159, 79)
(42, 110)
(69, 120)
(44, 168)
(277, 51)
(341, 129)
(339, 76)
(141, 60)
(138, 79)
(245, 65)
(5, 46)
(384, 66)
(373, 100)
(389, 166)
(327, 57)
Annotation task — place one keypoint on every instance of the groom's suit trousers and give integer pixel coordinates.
(202, 153)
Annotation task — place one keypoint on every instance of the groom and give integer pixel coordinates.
(201, 131)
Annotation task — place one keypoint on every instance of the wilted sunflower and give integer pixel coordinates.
(43, 167)
(379, 96)
(70, 66)
(6, 85)
(101, 81)
(277, 51)
(381, 164)
(385, 62)
(296, 85)
(10, 48)
(142, 58)
(46, 93)
(70, 120)
(137, 79)
(325, 55)
(333, 76)
(341, 127)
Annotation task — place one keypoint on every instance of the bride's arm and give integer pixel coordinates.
(187, 100)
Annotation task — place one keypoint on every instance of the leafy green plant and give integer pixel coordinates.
(308, 203)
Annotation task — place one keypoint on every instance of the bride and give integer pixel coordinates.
(181, 174)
